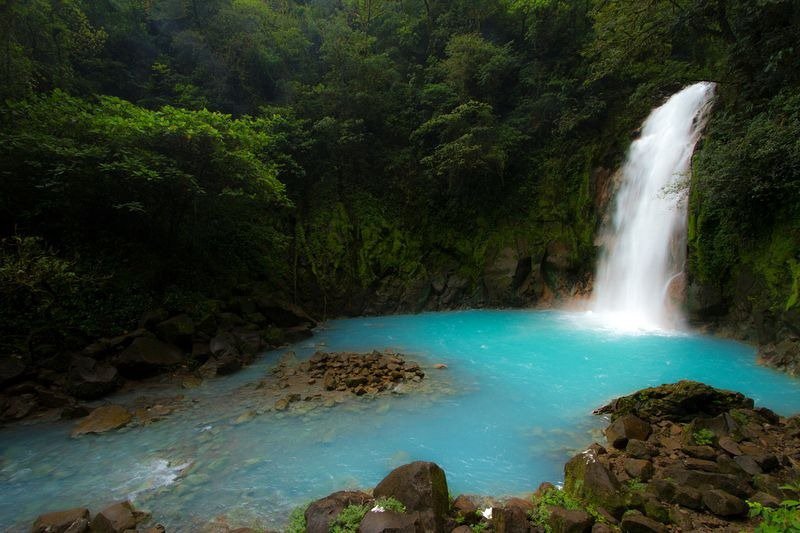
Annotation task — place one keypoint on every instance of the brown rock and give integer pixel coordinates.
(749, 464)
(638, 523)
(625, 428)
(464, 505)
(701, 464)
(701, 480)
(420, 486)
(730, 446)
(322, 512)
(115, 519)
(103, 419)
(566, 521)
(639, 468)
(147, 356)
(679, 401)
(638, 449)
(701, 452)
(389, 522)
(76, 520)
(586, 477)
(510, 519)
(724, 504)
(688, 497)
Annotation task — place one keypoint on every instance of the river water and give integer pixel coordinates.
(513, 405)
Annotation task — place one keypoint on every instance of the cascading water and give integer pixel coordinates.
(646, 243)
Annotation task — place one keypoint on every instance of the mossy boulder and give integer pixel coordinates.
(588, 478)
(420, 486)
(677, 402)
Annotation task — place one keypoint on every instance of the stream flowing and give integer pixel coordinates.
(512, 406)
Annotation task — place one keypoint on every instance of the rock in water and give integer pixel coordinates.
(74, 520)
(678, 402)
(420, 486)
(115, 519)
(103, 419)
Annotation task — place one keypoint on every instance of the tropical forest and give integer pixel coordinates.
(399, 266)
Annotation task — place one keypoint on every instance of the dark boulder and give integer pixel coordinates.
(635, 522)
(150, 318)
(640, 469)
(589, 479)
(74, 520)
(724, 504)
(510, 518)
(704, 480)
(228, 364)
(569, 521)
(627, 427)
(115, 519)
(321, 513)
(89, 379)
(147, 356)
(284, 314)
(178, 330)
(18, 407)
(389, 522)
(12, 369)
(681, 401)
(420, 486)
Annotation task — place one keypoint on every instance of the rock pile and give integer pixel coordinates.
(331, 378)
(687, 457)
(360, 373)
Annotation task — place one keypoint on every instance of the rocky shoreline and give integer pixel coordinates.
(183, 348)
(678, 457)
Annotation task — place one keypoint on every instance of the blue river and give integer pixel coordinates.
(513, 404)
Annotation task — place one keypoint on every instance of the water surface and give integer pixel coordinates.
(514, 403)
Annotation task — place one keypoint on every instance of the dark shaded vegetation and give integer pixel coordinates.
(157, 153)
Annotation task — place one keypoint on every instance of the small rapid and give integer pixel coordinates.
(639, 275)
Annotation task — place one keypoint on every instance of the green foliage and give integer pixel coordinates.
(349, 519)
(786, 518)
(409, 136)
(479, 527)
(390, 504)
(551, 498)
(703, 437)
(297, 520)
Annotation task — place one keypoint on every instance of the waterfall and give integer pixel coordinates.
(645, 242)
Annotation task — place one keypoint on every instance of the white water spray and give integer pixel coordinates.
(646, 243)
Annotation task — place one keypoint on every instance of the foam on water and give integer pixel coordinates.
(516, 403)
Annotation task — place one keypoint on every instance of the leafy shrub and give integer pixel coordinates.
(297, 520)
(552, 498)
(349, 519)
(784, 519)
(390, 504)
(703, 437)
